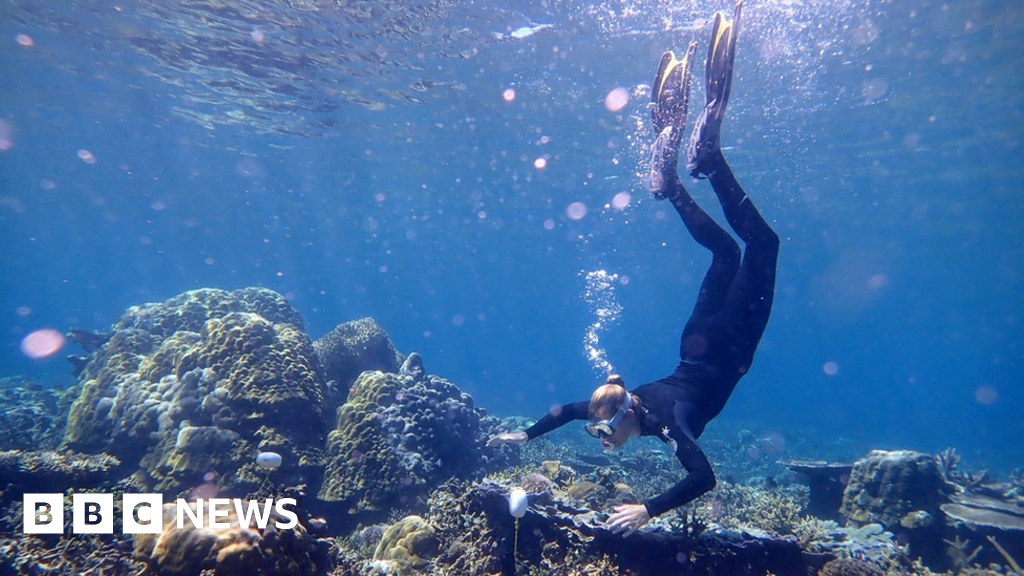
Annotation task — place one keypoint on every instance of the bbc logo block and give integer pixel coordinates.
(93, 513)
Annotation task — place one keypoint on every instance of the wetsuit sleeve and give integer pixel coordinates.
(700, 479)
(558, 417)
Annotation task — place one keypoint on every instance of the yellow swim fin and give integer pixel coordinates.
(707, 132)
(671, 90)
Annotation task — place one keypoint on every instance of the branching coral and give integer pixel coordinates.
(778, 511)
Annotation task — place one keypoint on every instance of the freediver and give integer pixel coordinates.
(732, 308)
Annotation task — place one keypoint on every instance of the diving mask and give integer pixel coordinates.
(606, 428)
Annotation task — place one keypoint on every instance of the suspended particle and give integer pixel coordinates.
(616, 100)
(576, 210)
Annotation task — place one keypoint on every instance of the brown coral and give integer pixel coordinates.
(850, 567)
(408, 545)
(236, 549)
(203, 382)
(397, 436)
(354, 347)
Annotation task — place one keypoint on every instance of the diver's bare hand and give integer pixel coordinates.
(628, 518)
(508, 438)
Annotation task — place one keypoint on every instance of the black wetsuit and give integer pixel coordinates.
(718, 342)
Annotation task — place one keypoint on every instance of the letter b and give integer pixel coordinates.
(92, 513)
(43, 513)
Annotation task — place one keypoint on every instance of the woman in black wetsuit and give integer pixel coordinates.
(732, 308)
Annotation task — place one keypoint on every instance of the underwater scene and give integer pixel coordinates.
(468, 288)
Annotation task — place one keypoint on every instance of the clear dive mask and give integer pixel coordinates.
(606, 428)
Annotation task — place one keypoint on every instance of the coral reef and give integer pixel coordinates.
(536, 483)
(903, 491)
(204, 382)
(885, 487)
(182, 396)
(774, 511)
(398, 436)
(29, 415)
(238, 549)
(364, 539)
(189, 311)
(352, 348)
(850, 567)
(49, 471)
(476, 532)
(407, 546)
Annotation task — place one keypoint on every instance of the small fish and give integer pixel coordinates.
(523, 32)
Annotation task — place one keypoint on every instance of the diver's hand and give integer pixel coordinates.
(628, 518)
(508, 438)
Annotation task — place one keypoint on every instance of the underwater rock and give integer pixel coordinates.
(238, 549)
(30, 415)
(886, 486)
(353, 348)
(397, 437)
(407, 545)
(204, 382)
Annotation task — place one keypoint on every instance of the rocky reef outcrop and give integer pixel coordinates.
(352, 348)
(399, 435)
(893, 488)
(189, 391)
(203, 382)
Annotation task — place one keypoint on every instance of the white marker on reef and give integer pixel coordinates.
(268, 460)
(517, 502)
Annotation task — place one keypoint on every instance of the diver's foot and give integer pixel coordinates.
(662, 168)
(705, 141)
(670, 96)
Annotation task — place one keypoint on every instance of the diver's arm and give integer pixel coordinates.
(700, 478)
(557, 418)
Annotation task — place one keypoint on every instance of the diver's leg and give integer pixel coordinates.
(725, 255)
(749, 299)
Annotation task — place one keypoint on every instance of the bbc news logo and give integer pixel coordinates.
(144, 513)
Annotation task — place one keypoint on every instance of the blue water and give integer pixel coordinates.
(364, 162)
